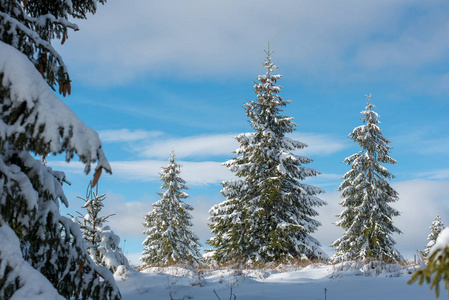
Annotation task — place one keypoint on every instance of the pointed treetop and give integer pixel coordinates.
(371, 117)
(268, 51)
(368, 98)
(268, 64)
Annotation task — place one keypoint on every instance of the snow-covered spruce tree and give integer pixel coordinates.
(33, 121)
(169, 239)
(101, 242)
(367, 215)
(268, 212)
(435, 229)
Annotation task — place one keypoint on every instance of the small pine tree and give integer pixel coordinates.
(268, 212)
(91, 223)
(435, 229)
(367, 216)
(101, 242)
(169, 239)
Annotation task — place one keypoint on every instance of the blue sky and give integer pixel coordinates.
(153, 76)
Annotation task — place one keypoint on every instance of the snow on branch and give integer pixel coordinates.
(47, 124)
(31, 283)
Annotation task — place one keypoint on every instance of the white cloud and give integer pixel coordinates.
(202, 38)
(320, 144)
(435, 174)
(73, 167)
(126, 135)
(328, 232)
(225, 145)
(325, 180)
(195, 173)
(206, 172)
(419, 202)
(424, 141)
(200, 215)
(128, 219)
(204, 146)
(423, 42)
(193, 146)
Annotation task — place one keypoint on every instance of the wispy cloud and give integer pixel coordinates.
(193, 146)
(419, 44)
(225, 145)
(317, 37)
(424, 141)
(195, 173)
(419, 202)
(321, 144)
(126, 135)
(128, 215)
(205, 150)
(325, 180)
(435, 174)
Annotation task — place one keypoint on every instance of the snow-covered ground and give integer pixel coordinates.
(314, 282)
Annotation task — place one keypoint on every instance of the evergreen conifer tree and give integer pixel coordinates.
(268, 212)
(435, 229)
(367, 215)
(101, 242)
(33, 121)
(169, 239)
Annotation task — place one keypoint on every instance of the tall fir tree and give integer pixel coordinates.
(268, 212)
(367, 215)
(435, 230)
(34, 122)
(101, 242)
(169, 238)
